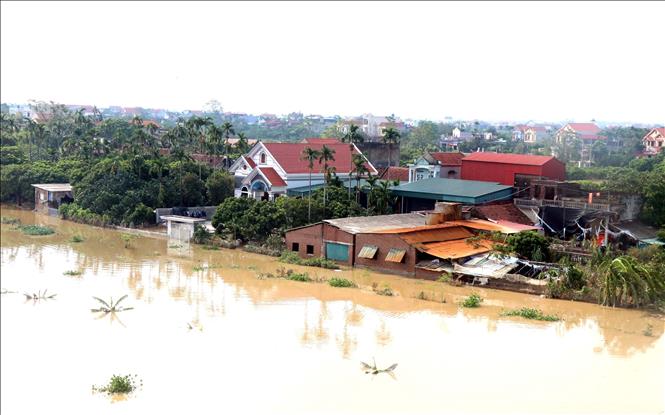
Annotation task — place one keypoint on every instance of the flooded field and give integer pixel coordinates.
(207, 336)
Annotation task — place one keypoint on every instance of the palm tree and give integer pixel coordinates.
(359, 169)
(310, 155)
(198, 127)
(371, 184)
(327, 154)
(227, 130)
(243, 144)
(353, 136)
(390, 137)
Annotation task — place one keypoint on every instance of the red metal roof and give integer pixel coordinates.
(289, 156)
(509, 158)
(503, 211)
(586, 127)
(271, 175)
(395, 173)
(449, 159)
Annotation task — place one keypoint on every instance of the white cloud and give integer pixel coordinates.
(422, 60)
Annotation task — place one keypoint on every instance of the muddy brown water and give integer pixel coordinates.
(275, 346)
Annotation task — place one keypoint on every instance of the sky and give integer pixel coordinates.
(492, 61)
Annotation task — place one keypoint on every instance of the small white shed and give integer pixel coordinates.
(182, 227)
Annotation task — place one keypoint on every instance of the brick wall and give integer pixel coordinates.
(310, 235)
(385, 242)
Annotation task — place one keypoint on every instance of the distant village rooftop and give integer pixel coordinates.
(54, 187)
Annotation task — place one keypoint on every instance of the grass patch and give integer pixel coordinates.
(530, 313)
(472, 301)
(422, 295)
(119, 384)
(175, 246)
(385, 290)
(341, 283)
(299, 277)
(8, 220)
(36, 230)
(210, 247)
(76, 239)
(293, 258)
(288, 275)
(72, 273)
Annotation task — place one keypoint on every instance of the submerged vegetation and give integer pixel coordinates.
(372, 369)
(72, 273)
(385, 290)
(39, 296)
(127, 239)
(8, 220)
(110, 307)
(530, 313)
(36, 230)
(119, 384)
(293, 258)
(422, 295)
(341, 283)
(76, 239)
(472, 301)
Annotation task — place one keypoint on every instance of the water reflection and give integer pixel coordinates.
(180, 290)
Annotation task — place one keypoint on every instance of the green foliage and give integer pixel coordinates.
(660, 235)
(11, 155)
(8, 220)
(76, 213)
(299, 277)
(626, 282)
(385, 290)
(445, 277)
(72, 273)
(530, 313)
(289, 257)
(201, 235)
(76, 239)
(119, 384)
(341, 283)
(127, 239)
(36, 230)
(230, 216)
(220, 185)
(472, 301)
(530, 245)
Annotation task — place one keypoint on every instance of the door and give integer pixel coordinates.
(337, 252)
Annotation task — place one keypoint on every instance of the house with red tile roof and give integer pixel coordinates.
(588, 132)
(447, 165)
(654, 141)
(400, 174)
(269, 169)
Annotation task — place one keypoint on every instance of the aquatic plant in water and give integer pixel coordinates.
(39, 296)
(374, 370)
(119, 384)
(472, 301)
(110, 307)
(127, 239)
(76, 239)
(385, 290)
(341, 283)
(530, 313)
(72, 273)
(8, 220)
(36, 230)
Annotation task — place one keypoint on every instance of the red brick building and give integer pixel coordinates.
(511, 169)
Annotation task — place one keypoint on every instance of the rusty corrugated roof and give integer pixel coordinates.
(456, 249)
(368, 251)
(439, 234)
(502, 226)
(395, 255)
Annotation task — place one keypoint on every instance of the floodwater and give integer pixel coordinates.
(207, 336)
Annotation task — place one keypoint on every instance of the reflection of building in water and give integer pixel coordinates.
(383, 336)
(347, 344)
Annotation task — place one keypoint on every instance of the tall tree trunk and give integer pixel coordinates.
(309, 203)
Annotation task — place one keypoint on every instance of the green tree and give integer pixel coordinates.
(326, 154)
(310, 155)
(353, 136)
(220, 185)
(390, 137)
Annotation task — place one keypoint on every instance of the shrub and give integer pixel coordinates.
(530, 245)
(127, 239)
(76, 239)
(275, 242)
(445, 277)
(8, 220)
(75, 213)
(119, 384)
(341, 283)
(289, 257)
(472, 301)
(531, 314)
(386, 290)
(261, 249)
(299, 277)
(37, 230)
(72, 273)
(140, 215)
(201, 235)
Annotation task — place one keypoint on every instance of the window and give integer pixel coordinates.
(263, 158)
(310, 249)
(395, 255)
(295, 247)
(368, 251)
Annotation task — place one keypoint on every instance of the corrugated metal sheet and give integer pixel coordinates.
(437, 235)
(502, 226)
(368, 251)
(456, 249)
(395, 255)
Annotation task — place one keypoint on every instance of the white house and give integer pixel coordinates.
(269, 169)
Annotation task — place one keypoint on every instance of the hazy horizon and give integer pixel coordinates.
(489, 61)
